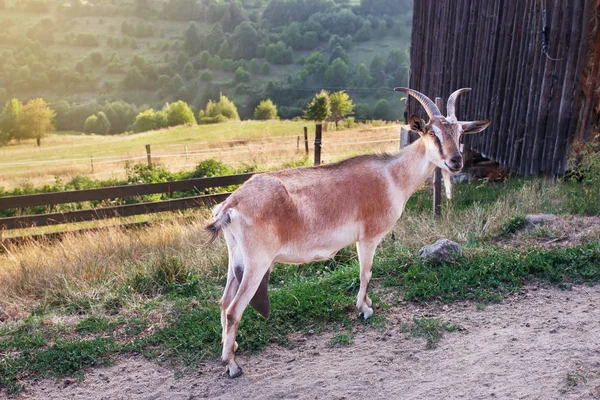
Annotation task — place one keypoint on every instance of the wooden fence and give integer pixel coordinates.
(523, 59)
(48, 199)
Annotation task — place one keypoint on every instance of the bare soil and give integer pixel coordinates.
(542, 343)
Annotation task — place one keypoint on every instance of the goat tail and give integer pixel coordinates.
(221, 219)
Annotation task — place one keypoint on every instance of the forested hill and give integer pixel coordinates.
(121, 56)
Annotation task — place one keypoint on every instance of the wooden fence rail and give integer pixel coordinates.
(75, 196)
(115, 192)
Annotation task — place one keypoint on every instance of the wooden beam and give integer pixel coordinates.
(26, 221)
(437, 178)
(43, 199)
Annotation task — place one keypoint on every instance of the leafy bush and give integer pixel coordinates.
(220, 111)
(319, 109)
(179, 113)
(212, 167)
(97, 124)
(150, 120)
(212, 120)
(265, 110)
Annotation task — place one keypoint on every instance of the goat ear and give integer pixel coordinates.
(416, 124)
(470, 127)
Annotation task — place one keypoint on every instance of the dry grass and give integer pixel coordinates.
(473, 223)
(90, 267)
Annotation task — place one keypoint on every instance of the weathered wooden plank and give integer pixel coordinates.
(495, 47)
(120, 191)
(110, 212)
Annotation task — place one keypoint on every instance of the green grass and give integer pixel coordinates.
(85, 146)
(430, 329)
(512, 226)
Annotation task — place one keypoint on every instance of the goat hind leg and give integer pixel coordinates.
(366, 251)
(232, 285)
(255, 269)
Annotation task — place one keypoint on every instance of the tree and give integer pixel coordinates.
(337, 73)
(266, 109)
(319, 109)
(244, 41)
(134, 79)
(103, 124)
(191, 40)
(233, 17)
(382, 110)
(376, 68)
(341, 105)
(149, 120)
(36, 119)
(179, 113)
(121, 115)
(97, 124)
(89, 126)
(10, 127)
(220, 111)
(241, 75)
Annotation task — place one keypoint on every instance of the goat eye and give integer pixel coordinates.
(431, 134)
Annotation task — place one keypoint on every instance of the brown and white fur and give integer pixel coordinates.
(308, 214)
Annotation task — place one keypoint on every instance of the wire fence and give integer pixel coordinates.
(231, 151)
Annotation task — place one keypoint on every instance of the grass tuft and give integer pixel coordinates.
(430, 329)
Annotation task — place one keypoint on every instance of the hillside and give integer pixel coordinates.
(90, 56)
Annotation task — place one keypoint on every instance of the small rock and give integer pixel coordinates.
(442, 251)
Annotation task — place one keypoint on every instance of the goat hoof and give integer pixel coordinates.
(234, 371)
(366, 313)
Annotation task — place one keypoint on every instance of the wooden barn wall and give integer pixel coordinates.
(495, 47)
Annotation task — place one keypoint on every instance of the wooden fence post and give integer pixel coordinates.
(404, 137)
(92, 162)
(149, 154)
(318, 135)
(297, 143)
(437, 178)
(306, 140)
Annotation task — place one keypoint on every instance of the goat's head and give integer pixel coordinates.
(442, 134)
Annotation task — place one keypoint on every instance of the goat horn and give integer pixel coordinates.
(425, 101)
(452, 102)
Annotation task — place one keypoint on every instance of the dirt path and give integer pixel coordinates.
(540, 344)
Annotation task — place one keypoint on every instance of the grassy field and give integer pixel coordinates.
(83, 301)
(258, 143)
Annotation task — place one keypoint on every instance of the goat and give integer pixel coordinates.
(308, 214)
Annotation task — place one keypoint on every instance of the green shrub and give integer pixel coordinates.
(179, 113)
(265, 110)
(150, 120)
(224, 108)
(212, 120)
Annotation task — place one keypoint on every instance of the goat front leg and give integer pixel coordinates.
(366, 251)
(254, 271)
